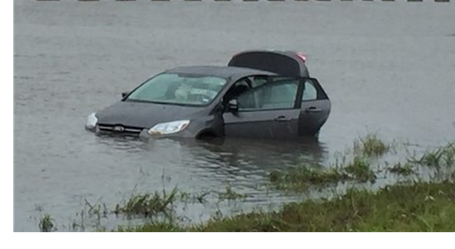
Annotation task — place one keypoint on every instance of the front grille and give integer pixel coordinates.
(119, 129)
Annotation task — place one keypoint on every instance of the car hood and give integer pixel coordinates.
(145, 115)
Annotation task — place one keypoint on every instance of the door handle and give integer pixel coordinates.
(282, 119)
(313, 109)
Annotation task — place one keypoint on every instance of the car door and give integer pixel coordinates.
(315, 107)
(271, 110)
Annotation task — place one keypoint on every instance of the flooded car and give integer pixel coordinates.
(259, 94)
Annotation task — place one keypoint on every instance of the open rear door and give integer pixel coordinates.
(284, 63)
(271, 110)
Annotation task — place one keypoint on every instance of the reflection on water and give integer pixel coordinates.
(226, 158)
(233, 156)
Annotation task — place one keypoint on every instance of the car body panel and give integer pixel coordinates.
(281, 124)
(143, 114)
(313, 115)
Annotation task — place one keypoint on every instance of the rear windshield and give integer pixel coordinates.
(282, 64)
(181, 89)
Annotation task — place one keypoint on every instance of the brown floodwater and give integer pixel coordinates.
(388, 69)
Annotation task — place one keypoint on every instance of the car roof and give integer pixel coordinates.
(226, 72)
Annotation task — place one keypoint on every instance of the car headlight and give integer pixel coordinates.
(169, 127)
(92, 120)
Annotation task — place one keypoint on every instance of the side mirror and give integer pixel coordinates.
(124, 94)
(233, 105)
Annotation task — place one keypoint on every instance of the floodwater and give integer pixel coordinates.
(388, 68)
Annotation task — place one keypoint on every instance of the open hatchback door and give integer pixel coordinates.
(284, 63)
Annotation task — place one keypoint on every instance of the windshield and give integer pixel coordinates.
(170, 88)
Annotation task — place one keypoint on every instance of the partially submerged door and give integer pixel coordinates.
(315, 108)
(271, 110)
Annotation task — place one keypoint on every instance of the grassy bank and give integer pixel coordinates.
(420, 207)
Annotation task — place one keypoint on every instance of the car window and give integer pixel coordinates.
(280, 95)
(259, 81)
(236, 89)
(310, 92)
(179, 89)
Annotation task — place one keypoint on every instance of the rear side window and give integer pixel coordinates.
(313, 91)
(310, 92)
(280, 95)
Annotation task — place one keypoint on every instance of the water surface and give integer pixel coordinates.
(388, 69)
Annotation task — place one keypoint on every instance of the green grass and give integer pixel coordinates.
(402, 169)
(148, 205)
(421, 207)
(152, 227)
(46, 224)
(230, 194)
(371, 145)
(437, 158)
(186, 197)
(359, 169)
(301, 177)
